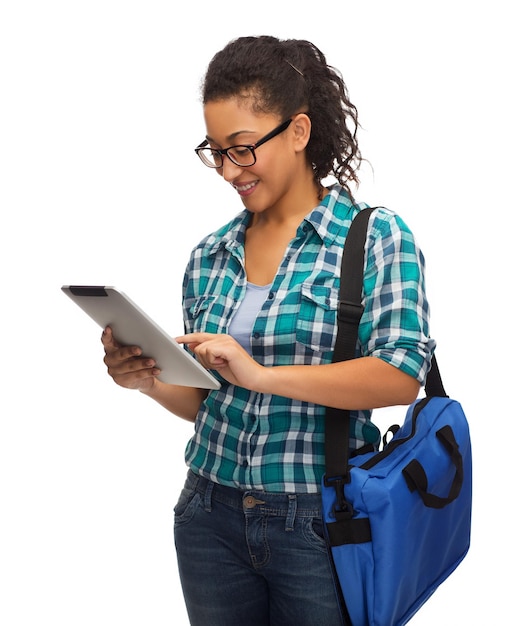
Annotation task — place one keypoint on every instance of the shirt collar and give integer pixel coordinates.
(332, 218)
(230, 236)
(328, 220)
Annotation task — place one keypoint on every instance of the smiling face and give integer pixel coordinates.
(280, 172)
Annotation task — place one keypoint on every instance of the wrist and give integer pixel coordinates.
(267, 382)
(150, 390)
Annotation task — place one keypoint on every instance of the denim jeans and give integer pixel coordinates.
(251, 558)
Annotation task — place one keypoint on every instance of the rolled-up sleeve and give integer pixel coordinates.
(395, 323)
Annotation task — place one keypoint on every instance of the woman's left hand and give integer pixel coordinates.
(225, 355)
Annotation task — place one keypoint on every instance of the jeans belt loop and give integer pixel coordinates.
(291, 513)
(207, 496)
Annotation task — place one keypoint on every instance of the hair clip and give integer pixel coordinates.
(295, 68)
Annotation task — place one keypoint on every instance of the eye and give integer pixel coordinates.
(241, 155)
(240, 151)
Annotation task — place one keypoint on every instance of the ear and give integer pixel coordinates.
(301, 127)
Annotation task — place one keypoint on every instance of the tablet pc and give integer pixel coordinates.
(133, 327)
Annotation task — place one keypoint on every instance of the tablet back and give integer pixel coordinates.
(131, 326)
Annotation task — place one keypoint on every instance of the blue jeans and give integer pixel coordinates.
(251, 558)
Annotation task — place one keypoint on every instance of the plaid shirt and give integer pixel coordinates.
(250, 440)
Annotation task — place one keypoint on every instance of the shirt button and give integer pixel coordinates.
(271, 295)
(256, 335)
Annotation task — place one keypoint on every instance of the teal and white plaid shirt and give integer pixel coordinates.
(250, 440)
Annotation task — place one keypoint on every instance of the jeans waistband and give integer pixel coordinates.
(256, 502)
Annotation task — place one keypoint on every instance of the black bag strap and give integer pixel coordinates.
(350, 311)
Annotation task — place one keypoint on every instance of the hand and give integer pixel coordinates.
(223, 354)
(126, 366)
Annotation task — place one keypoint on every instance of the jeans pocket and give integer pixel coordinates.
(186, 506)
(314, 533)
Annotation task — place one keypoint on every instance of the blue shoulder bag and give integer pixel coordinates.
(397, 520)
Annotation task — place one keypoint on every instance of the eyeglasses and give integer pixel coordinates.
(241, 155)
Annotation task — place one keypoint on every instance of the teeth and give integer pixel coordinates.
(244, 187)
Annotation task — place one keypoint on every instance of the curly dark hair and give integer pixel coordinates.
(287, 77)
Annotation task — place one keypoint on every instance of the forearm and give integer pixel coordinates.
(182, 401)
(363, 383)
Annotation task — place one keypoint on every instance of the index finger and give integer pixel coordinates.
(194, 338)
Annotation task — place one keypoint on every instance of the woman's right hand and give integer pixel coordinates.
(126, 365)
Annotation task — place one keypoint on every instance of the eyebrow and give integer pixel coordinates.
(233, 136)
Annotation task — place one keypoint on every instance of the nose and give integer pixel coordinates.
(229, 171)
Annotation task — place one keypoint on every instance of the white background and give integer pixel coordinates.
(99, 115)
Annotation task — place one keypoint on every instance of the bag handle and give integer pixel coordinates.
(417, 480)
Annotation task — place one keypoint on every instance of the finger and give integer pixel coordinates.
(195, 338)
(127, 359)
(210, 354)
(135, 370)
(131, 369)
(107, 339)
(113, 347)
(135, 379)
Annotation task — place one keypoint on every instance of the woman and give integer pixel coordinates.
(260, 298)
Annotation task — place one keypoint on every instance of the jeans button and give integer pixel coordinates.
(249, 502)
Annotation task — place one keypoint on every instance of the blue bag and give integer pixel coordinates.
(397, 520)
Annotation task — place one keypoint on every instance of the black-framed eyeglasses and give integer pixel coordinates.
(241, 155)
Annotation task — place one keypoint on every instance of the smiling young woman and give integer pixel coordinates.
(260, 302)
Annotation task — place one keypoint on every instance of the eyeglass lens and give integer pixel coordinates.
(240, 155)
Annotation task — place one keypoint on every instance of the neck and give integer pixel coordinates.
(300, 200)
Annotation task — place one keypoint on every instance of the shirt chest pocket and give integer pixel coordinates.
(207, 314)
(316, 323)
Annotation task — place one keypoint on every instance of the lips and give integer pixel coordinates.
(244, 190)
